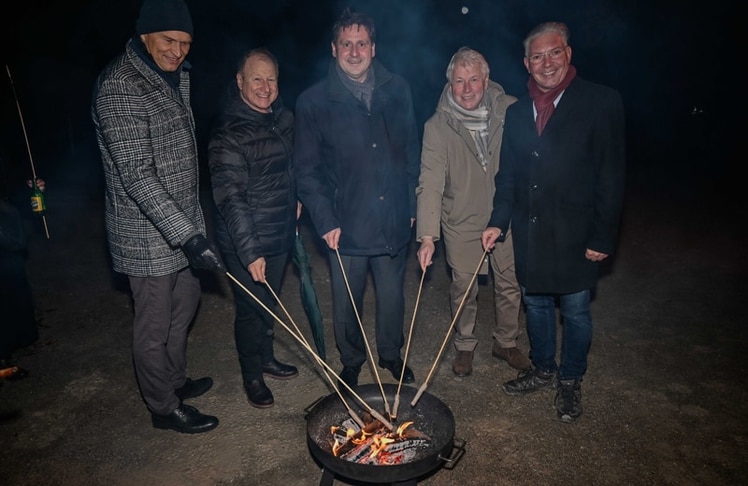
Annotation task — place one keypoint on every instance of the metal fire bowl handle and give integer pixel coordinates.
(458, 450)
(311, 406)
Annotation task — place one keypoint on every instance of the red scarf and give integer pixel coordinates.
(544, 101)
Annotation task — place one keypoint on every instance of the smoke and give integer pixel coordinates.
(662, 56)
(415, 39)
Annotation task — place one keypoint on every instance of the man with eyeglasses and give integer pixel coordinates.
(561, 187)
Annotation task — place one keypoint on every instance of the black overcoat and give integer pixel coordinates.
(562, 191)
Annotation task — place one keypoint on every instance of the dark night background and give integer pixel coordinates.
(670, 60)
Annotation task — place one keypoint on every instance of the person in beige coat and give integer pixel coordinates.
(459, 159)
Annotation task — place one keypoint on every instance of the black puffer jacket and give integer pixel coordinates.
(252, 174)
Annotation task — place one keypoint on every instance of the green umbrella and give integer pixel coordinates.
(309, 295)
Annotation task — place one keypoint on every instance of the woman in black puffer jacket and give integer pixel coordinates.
(251, 167)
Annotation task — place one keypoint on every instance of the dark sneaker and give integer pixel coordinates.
(569, 401)
(463, 363)
(529, 381)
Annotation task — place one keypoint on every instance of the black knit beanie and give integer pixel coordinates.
(162, 16)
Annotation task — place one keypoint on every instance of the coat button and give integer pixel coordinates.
(533, 187)
(381, 198)
(533, 219)
(374, 145)
(535, 153)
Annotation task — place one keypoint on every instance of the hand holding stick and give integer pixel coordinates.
(26, 137)
(304, 343)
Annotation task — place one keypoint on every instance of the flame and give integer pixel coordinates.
(373, 434)
(380, 443)
(402, 427)
(340, 442)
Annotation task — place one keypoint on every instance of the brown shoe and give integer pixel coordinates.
(513, 356)
(463, 363)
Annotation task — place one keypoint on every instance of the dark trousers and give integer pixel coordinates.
(164, 309)
(253, 326)
(17, 322)
(388, 274)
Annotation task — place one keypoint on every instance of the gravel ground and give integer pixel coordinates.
(664, 398)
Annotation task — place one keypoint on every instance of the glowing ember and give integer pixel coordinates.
(375, 444)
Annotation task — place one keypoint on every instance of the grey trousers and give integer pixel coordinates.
(507, 300)
(164, 309)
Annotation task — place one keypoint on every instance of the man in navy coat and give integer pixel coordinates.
(561, 188)
(357, 162)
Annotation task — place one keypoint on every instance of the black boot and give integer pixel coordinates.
(279, 371)
(258, 394)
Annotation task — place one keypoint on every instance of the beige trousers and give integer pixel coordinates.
(507, 299)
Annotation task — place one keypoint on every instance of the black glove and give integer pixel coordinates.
(202, 254)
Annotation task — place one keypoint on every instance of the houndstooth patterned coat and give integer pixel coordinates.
(146, 134)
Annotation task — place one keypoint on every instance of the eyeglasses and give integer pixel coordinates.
(554, 54)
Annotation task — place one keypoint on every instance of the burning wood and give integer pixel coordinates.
(375, 444)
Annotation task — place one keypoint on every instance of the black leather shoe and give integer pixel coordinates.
(279, 371)
(396, 368)
(185, 419)
(349, 375)
(192, 389)
(258, 394)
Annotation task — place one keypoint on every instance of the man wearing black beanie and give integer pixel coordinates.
(155, 225)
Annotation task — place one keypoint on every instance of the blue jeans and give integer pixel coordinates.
(576, 322)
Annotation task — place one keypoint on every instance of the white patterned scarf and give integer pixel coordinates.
(476, 122)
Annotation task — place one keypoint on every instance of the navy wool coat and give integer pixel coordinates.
(357, 169)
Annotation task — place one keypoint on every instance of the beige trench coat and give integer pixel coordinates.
(455, 194)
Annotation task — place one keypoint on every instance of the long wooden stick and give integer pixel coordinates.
(26, 137)
(363, 333)
(449, 332)
(303, 342)
(393, 415)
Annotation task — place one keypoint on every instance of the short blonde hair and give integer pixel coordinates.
(471, 57)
